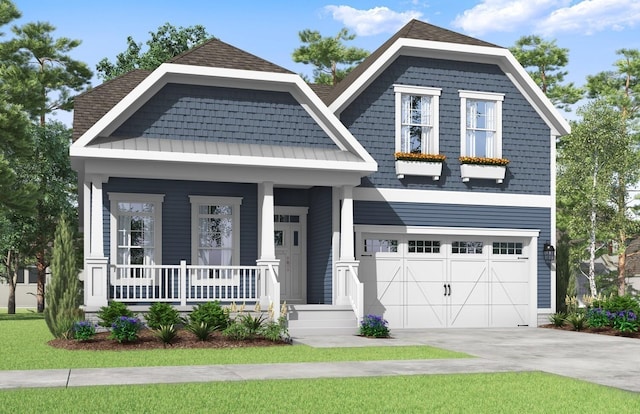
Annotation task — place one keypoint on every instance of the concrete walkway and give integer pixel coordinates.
(605, 360)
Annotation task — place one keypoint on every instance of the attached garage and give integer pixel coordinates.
(448, 277)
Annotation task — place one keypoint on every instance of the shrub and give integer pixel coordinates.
(598, 318)
(577, 321)
(201, 330)
(125, 329)
(622, 303)
(276, 331)
(374, 326)
(162, 314)
(625, 321)
(113, 311)
(166, 333)
(252, 325)
(558, 318)
(210, 313)
(84, 330)
(236, 331)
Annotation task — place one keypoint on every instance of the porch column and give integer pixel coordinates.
(267, 245)
(346, 225)
(349, 289)
(269, 287)
(95, 272)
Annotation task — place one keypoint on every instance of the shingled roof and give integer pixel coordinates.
(415, 29)
(95, 103)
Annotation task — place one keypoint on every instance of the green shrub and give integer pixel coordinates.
(84, 330)
(236, 331)
(598, 318)
(110, 313)
(558, 318)
(276, 331)
(622, 303)
(577, 320)
(374, 326)
(625, 321)
(201, 330)
(252, 325)
(210, 313)
(125, 329)
(162, 314)
(166, 333)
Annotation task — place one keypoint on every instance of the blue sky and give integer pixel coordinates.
(592, 30)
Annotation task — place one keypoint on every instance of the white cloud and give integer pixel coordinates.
(591, 16)
(373, 21)
(504, 15)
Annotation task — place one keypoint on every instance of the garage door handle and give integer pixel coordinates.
(445, 289)
(449, 286)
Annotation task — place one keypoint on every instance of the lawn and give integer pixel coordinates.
(26, 342)
(530, 392)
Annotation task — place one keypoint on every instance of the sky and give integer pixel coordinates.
(592, 30)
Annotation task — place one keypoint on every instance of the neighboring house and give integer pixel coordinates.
(221, 176)
(25, 289)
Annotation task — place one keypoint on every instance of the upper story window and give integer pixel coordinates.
(481, 124)
(417, 116)
(215, 230)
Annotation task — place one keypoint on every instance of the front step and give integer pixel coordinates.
(312, 320)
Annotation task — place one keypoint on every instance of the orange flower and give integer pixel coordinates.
(411, 156)
(484, 161)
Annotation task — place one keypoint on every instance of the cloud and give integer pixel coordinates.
(503, 15)
(373, 21)
(591, 16)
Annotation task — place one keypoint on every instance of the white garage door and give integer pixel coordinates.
(436, 281)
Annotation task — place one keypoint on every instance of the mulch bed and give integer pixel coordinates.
(148, 340)
(599, 331)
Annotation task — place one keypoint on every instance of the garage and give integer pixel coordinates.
(449, 280)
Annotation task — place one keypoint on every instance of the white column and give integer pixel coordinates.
(97, 238)
(267, 245)
(346, 225)
(95, 270)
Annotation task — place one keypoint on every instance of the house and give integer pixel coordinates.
(221, 176)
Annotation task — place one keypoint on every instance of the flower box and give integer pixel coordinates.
(429, 169)
(487, 172)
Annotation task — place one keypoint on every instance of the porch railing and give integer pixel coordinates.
(183, 283)
(350, 288)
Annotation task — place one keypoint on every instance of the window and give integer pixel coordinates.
(215, 224)
(509, 248)
(466, 247)
(136, 231)
(424, 246)
(380, 246)
(417, 116)
(481, 124)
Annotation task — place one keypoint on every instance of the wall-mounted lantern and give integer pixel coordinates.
(548, 252)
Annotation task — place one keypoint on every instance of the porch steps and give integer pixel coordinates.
(313, 320)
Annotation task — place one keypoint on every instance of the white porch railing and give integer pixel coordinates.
(350, 288)
(183, 283)
(270, 286)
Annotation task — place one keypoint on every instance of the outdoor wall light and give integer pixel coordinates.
(549, 252)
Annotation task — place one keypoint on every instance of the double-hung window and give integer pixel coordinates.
(481, 124)
(417, 113)
(136, 232)
(215, 230)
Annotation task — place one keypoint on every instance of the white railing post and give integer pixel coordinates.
(182, 282)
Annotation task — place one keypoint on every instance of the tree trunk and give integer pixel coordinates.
(11, 304)
(592, 236)
(622, 285)
(42, 280)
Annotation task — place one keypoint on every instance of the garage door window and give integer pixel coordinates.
(380, 246)
(424, 246)
(507, 248)
(466, 247)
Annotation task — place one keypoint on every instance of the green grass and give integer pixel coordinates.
(531, 392)
(20, 315)
(26, 342)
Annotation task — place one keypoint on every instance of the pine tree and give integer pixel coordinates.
(63, 295)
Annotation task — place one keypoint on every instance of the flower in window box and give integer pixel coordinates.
(501, 162)
(418, 156)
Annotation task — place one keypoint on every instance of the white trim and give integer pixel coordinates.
(496, 98)
(452, 197)
(157, 200)
(484, 96)
(468, 53)
(235, 203)
(554, 240)
(434, 94)
(446, 231)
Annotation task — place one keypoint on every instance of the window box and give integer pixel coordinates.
(487, 172)
(429, 165)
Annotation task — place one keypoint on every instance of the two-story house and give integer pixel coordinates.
(221, 176)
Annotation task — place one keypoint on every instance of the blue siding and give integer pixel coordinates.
(319, 256)
(207, 113)
(176, 213)
(453, 215)
(526, 137)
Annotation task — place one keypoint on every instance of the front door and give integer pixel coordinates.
(290, 244)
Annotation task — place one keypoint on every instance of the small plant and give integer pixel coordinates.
(374, 326)
(125, 329)
(236, 331)
(276, 331)
(558, 319)
(162, 314)
(417, 156)
(598, 318)
(483, 161)
(110, 313)
(577, 321)
(572, 304)
(84, 330)
(210, 313)
(201, 330)
(253, 325)
(166, 333)
(625, 321)
(622, 303)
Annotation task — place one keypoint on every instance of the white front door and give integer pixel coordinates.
(290, 243)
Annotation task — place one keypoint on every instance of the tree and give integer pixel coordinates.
(621, 89)
(545, 61)
(64, 298)
(326, 53)
(166, 43)
(587, 163)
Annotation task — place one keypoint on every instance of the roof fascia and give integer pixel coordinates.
(460, 52)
